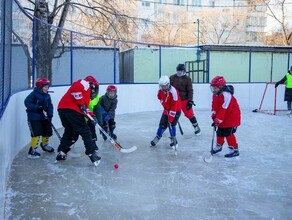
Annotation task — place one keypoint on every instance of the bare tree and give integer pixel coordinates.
(218, 26)
(279, 11)
(107, 15)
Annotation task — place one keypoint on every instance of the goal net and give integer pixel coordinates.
(273, 99)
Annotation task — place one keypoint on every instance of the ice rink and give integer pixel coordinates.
(153, 183)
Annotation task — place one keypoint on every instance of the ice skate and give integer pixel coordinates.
(173, 143)
(217, 148)
(155, 141)
(197, 130)
(33, 154)
(232, 152)
(95, 159)
(61, 156)
(47, 148)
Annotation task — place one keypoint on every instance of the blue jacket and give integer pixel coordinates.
(36, 99)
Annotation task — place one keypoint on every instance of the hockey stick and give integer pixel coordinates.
(182, 133)
(113, 142)
(209, 159)
(55, 130)
(171, 134)
(180, 129)
(59, 137)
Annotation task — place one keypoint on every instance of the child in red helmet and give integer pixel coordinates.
(108, 103)
(226, 116)
(39, 109)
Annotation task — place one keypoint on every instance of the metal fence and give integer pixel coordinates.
(26, 54)
(5, 58)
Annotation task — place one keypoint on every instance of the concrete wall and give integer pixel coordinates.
(14, 132)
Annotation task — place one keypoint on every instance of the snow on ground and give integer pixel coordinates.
(153, 183)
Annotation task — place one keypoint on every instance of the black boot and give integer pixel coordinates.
(95, 159)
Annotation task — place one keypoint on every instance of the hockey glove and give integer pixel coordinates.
(106, 118)
(94, 120)
(83, 109)
(40, 109)
(190, 105)
(216, 122)
(276, 85)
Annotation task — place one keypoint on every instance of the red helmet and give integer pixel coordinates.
(92, 81)
(111, 91)
(40, 82)
(218, 81)
(111, 88)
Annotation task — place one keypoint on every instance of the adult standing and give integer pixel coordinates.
(288, 89)
(183, 84)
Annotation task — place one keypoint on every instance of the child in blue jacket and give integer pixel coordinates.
(39, 110)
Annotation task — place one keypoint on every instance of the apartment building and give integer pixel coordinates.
(186, 22)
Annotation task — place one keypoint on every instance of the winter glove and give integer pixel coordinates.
(190, 105)
(216, 122)
(276, 85)
(83, 109)
(106, 118)
(93, 120)
(40, 109)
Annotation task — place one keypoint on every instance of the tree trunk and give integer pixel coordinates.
(43, 41)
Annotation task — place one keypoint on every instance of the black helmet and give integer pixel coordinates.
(180, 67)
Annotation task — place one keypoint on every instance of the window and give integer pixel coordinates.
(196, 3)
(178, 2)
(212, 3)
(252, 36)
(146, 4)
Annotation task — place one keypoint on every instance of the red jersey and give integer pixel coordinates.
(78, 94)
(226, 110)
(170, 101)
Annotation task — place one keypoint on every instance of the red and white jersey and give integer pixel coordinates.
(170, 101)
(78, 94)
(226, 110)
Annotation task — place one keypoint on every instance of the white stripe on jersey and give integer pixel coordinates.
(227, 99)
(85, 84)
(174, 93)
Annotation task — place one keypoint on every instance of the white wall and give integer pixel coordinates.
(14, 132)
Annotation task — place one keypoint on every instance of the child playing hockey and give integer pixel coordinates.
(108, 103)
(225, 115)
(36, 103)
(72, 108)
(170, 100)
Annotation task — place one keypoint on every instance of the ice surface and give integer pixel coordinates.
(153, 183)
